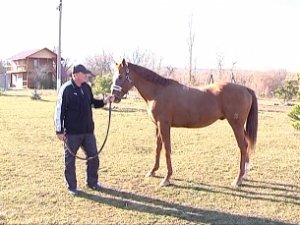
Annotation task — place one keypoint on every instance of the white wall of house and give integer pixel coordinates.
(17, 80)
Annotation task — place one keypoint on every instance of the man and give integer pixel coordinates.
(74, 124)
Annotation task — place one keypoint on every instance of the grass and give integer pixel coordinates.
(205, 162)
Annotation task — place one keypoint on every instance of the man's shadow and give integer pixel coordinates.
(145, 204)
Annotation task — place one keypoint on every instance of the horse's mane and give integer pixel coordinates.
(150, 75)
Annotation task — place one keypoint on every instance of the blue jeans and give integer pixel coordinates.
(88, 143)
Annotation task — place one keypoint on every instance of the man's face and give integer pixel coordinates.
(81, 77)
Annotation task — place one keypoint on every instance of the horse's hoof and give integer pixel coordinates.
(165, 183)
(247, 167)
(245, 175)
(150, 174)
(237, 182)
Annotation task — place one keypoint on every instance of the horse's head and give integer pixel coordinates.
(122, 81)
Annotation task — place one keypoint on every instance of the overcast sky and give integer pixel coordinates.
(256, 34)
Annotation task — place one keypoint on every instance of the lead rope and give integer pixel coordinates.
(92, 157)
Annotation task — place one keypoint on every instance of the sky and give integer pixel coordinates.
(251, 34)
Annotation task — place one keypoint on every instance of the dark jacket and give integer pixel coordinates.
(73, 113)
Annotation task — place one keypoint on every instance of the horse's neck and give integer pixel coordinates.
(147, 89)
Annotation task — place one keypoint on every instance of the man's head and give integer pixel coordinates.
(80, 74)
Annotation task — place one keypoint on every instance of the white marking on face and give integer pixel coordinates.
(115, 74)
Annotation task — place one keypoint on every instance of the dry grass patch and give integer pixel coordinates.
(205, 162)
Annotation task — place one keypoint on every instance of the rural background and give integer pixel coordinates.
(198, 43)
(205, 162)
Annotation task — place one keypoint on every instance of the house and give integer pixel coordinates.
(32, 69)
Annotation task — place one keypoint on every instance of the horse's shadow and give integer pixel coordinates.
(141, 203)
(279, 192)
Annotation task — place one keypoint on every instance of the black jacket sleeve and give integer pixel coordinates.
(97, 103)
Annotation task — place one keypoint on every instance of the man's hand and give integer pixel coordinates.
(109, 98)
(61, 137)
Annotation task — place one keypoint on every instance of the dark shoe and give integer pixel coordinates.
(96, 187)
(73, 192)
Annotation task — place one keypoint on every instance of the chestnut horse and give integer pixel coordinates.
(171, 104)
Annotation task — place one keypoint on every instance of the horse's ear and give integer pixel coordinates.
(124, 63)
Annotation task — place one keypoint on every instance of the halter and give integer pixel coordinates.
(92, 157)
(118, 88)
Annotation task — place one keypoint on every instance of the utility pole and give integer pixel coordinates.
(58, 71)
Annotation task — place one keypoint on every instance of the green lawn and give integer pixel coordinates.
(205, 162)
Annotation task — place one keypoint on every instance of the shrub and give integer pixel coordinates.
(287, 91)
(102, 84)
(294, 114)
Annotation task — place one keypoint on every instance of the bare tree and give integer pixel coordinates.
(211, 79)
(145, 58)
(100, 64)
(66, 70)
(2, 67)
(42, 76)
(170, 71)
(191, 39)
(220, 60)
(138, 57)
(232, 74)
(3, 78)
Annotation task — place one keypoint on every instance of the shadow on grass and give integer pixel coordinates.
(144, 204)
(25, 96)
(125, 110)
(15, 95)
(255, 190)
(41, 100)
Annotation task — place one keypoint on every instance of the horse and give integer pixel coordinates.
(172, 104)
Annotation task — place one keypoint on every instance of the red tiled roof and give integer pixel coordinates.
(26, 54)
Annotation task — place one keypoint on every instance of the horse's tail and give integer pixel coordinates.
(252, 122)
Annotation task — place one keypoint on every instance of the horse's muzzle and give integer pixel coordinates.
(117, 99)
(116, 90)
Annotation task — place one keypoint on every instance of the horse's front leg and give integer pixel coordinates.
(151, 173)
(164, 130)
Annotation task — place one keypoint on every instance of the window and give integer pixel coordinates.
(35, 63)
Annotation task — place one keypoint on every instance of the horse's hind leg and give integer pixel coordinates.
(151, 173)
(239, 133)
(247, 160)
